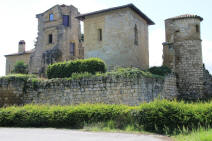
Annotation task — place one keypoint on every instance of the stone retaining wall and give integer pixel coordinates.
(107, 90)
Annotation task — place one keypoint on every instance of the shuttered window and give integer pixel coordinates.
(65, 20)
(72, 49)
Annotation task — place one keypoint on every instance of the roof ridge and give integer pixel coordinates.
(184, 16)
(132, 6)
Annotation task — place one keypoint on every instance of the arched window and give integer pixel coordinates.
(135, 35)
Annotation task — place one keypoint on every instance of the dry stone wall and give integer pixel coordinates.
(106, 90)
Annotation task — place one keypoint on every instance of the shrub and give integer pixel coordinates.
(163, 70)
(62, 116)
(160, 116)
(66, 69)
(131, 73)
(22, 77)
(81, 75)
(20, 67)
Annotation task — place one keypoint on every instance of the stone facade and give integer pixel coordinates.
(183, 54)
(106, 90)
(22, 55)
(118, 35)
(58, 38)
(207, 84)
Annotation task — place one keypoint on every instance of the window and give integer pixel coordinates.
(65, 20)
(51, 17)
(135, 35)
(50, 39)
(100, 34)
(72, 49)
(197, 28)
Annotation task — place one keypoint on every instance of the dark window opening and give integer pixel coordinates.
(51, 17)
(65, 20)
(100, 34)
(50, 39)
(197, 28)
(72, 49)
(136, 35)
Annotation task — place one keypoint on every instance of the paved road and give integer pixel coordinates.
(49, 134)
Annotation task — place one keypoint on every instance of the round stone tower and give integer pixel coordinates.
(182, 52)
(21, 46)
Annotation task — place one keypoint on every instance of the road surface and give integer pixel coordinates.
(50, 134)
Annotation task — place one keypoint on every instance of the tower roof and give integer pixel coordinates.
(22, 42)
(185, 16)
(133, 7)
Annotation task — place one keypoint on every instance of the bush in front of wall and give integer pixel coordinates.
(66, 69)
(162, 70)
(161, 116)
(20, 67)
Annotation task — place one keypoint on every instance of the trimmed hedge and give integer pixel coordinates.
(66, 69)
(22, 77)
(159, 116)
(162, 70)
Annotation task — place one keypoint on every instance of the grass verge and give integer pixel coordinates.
(198, 135)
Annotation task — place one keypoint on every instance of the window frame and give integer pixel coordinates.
(72, 49)
(197, 28)
(50, 39)
(51, 17)
(100, 34)
(68, 20)
(136, 35)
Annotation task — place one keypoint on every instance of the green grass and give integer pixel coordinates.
(110, 126)
(198, 135)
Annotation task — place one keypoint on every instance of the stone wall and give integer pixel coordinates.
(183, 54)
(62, 37)
(207, 84)
(117, 46)
(107, 90)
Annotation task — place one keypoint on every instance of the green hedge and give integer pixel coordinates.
(159, 116)
(162, 70)
(66, 69)
(22, 77)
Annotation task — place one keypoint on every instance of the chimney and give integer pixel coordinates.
(21, 46)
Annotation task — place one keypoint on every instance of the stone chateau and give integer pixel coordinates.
(119, 36)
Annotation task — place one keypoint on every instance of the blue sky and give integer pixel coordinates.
(18, 22)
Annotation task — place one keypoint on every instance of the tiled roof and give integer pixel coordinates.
(135, 9)
(22, 53)
(185, 16)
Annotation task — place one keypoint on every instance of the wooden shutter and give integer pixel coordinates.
(72, 49)
(65, 20)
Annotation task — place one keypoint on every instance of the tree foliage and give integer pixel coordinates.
(20, 67)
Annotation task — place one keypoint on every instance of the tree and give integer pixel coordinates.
(20, 67)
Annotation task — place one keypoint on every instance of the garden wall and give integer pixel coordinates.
(109, 90)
